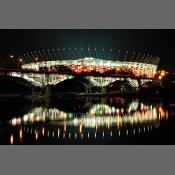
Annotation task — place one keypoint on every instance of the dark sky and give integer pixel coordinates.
(159, 43)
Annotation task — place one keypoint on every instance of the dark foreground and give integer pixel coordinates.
(87, 120)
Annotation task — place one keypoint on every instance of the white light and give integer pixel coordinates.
(25, 118)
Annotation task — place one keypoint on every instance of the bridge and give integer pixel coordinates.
(43, 78)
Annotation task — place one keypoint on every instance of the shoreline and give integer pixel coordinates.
(74, 94)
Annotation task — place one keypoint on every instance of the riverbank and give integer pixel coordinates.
(128, 93)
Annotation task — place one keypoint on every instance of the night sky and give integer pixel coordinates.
(159, 43)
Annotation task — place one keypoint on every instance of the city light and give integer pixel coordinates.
(101, 92)
(161, 74)
(90, 64)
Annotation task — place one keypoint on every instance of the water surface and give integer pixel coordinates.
(86, 120)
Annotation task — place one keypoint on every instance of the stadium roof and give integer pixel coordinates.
(79, 53)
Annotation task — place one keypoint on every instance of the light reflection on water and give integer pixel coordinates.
(97, 122)
(98, 115)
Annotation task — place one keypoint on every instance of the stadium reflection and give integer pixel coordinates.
(87, 121)
(98, 115)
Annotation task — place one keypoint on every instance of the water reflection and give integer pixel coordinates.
(85, 121)
(20, 134)
(98, 115)
(57, 135)
(11, 139)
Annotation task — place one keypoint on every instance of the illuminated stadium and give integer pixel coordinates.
(88, 61)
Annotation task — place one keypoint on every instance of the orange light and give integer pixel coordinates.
(162, 112)
(58, 132)
(20, 134)
(80, 128)
(160, 77)
(11, 139)
(43, 131)
(36, 135)
(117, 69)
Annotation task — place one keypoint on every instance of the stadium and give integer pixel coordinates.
(90, 61)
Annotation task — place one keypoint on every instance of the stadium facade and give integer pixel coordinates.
(135, 64)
